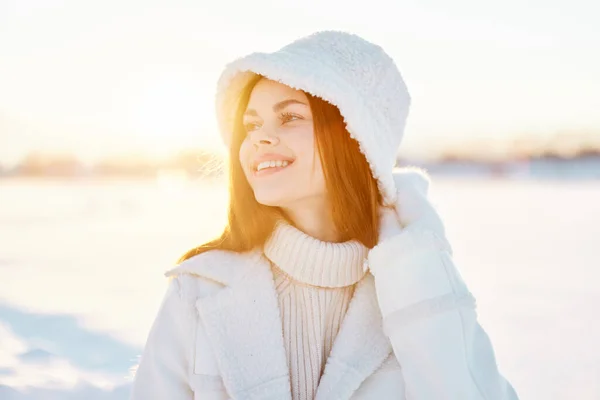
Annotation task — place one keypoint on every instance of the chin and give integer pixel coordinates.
(270, 198)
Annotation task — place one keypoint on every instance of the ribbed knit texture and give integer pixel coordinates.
(315, 282)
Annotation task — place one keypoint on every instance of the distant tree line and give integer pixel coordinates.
(194, 163)
(202, 163)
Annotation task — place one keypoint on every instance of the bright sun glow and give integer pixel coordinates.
(170, 111)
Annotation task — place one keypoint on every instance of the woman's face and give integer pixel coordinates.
(278, 154)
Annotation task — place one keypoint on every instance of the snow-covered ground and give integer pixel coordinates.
(81, 267)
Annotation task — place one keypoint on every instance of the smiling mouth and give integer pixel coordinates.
(271, 167)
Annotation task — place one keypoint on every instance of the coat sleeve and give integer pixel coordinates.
(165, 364)
(430, 317)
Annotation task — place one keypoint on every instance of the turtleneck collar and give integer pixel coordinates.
(315, 262)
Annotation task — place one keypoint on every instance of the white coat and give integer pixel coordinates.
(410, 331)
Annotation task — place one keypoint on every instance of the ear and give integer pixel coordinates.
(411, 178)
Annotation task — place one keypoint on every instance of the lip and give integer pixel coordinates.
(270, 157)
(269, 171)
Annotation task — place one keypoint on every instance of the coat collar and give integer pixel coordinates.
(244, 327)
(360, 346)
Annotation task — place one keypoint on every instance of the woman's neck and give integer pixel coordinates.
(314, 221)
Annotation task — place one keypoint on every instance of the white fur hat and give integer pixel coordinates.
(347, 71)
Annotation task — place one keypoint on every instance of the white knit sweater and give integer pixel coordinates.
(315, 281)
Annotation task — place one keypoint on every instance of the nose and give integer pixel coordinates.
(260, 137)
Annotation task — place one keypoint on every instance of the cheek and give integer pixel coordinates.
(305, 147)
(303, 143)
(244, 155)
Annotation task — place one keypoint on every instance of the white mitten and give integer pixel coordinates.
(410, 261)
(413, 208)
(389, 225)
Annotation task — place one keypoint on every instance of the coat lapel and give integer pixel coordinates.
(243, 324)
(359, 348)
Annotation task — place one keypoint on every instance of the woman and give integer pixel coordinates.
(333, 278)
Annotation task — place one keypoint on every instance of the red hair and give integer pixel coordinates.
(353, 194)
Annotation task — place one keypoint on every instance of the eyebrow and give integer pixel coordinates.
(276, 107)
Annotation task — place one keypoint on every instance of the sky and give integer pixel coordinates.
(98, 78)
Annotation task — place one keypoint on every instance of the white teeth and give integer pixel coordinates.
(272, 164)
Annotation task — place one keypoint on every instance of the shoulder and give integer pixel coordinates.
(208, 272)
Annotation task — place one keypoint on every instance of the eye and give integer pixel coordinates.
(289, 117)
(251, 126)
